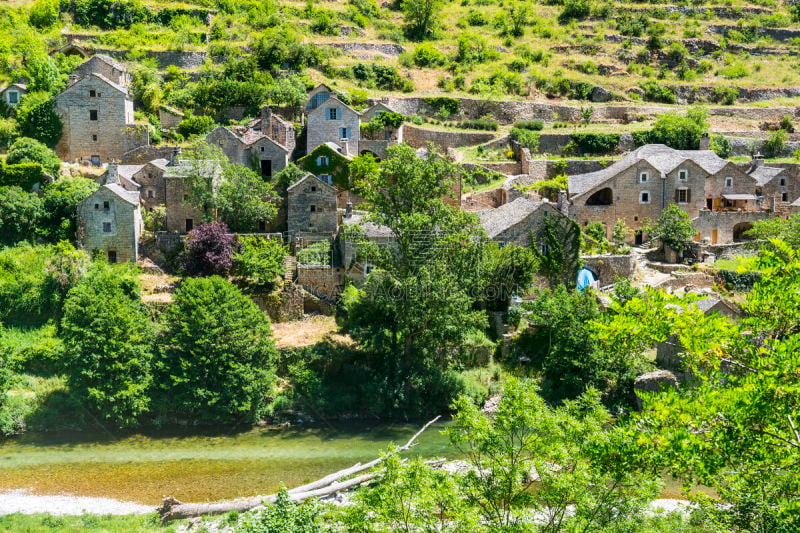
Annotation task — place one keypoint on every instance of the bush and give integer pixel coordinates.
(38, 120)
(739, 281)
(725, 95)
(108, 14)
(451, 105)
(775, 143)
(721, 146)
(216, 360)
(655, 92)
(44, 13)
(209, 250)
(479, 124)
(260, 262)
(425, 55)
(61, 199)
(196, 125)
(526, 138)
(20, 213)
(596, 143)
(23, 175)
(25, 150)
(786, 124)
(28, 295)
(318, 253)
(574, 10)
(533, 125)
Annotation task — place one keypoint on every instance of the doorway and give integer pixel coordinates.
(266, 168)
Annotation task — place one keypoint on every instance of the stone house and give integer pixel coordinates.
(312, 206)
(110, 221)
(332, 121)
(109, 68)
(329, 164)
(776, 184)
(348, 247)
(518, 221)
(377, 142)
(169, 117)
(12, 95)
(97, 116)
(644, 182)
(180, 215)
(265, 145)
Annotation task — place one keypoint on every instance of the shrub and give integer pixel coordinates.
(61, 200)
(425, 55)
(725, 95)
(479, 124)
(786, 124)
(318, 253)
(739, 281)
(451, 105)
(734, 72)
(209, 250)
(574, 10)
(596, 143)
(196, 125)
(526, 138)
(655, 92)
(23, 175)
(261, 261)
(38, 119)
(44, 13)
(533, 125)
(721, 146)
(775, 143)
(25, 150)
(27, 294)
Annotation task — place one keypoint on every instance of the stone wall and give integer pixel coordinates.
(283, 305)
(321, 280)
(722, 223)
(609, 267)
(178, 210)
(320, 130)
(419, 137)
(312, 206)
(115, 228)
(143, 154)
(169, 118)
(388, 49)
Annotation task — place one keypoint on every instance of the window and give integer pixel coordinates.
(99, 95)
(682, 196)
(636, 219)
(344, 133)
(643, 177)
(106, 227)
(93, 114)
(728, 182)
(313, 189)
(92, 93)
(262, 148)
(112, 256)
(785, 197)
(313, 209)
(683, 175)
(106, 205)
(221, 142)
(94, 138)
(185, 197)
(322, 161)
(95, 159)
(783, 182)
(150, 193)
(189, 224)
(326, 178)
(332, 113)
(644, 197)
(97, 206)
(318, 99)
(13, 97)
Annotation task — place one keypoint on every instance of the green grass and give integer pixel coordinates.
(738, 264)
(34, 523)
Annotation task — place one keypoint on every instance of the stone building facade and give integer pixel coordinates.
(328, 164)
(643, 183)
(265, 145)
(180, 215)
(333, 121)
(377, 143)
(110, 221)
(109, 68)
(97, 117)
(312, 206)
(517, 221)
(12, 95)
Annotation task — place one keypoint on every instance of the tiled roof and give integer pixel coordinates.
(661, 157)
(317, 181)
(496, 221)
(370, 229)
(109, 60)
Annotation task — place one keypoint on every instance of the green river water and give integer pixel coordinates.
(195, 466)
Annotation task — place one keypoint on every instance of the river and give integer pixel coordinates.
(196, 465)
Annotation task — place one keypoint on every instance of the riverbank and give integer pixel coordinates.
(24, 502)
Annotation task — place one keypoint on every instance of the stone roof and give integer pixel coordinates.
(160, 163)
(127, 171)
(764, 175)
(336, 99)
(370, 229)
(317, 182)
(131, 197)
(182, 169)
(496, 221)
(248, 135)
(109, 60)
(659, 156)
(20, 86)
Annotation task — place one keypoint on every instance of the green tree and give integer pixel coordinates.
(421, 17)
(510, 270)
(61, 199)
(621, 232)
(785, 229)
(25, 150)
(215, 363)
(261, 261)
(45, 74)
(721, 146)
(736, 429)
(673, 228)
(679, 132)
(557, 251)
(244, 199)
(44, 13)
(284, 516)
(38, 119)
(289, 91)
(775, 143)
(20, 213)
(108, 341)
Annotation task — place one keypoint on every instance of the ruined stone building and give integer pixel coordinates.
(378, 142)
(96, 112)
(720, 197)
(12, 95)
(181, 216)
(265, 145)
(518, 222)
(312, 206)
(110, 221)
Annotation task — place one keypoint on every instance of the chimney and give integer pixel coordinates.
(345, 148)
(757, 161)
(112, 176)
(705, 142)
(563, 203)
(348, 210)
(266, 119)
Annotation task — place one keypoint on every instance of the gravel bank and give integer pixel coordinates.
(22, 501)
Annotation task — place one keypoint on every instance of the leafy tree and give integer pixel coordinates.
(288, 176)
(673, 228)
(679, 132)
(736, 428)
(776, 143)
(421, 17)
(620, 232)
(787, 230)
(260, 261)
(38, 119)
(284, 516)
(9, 130)
(196, 125)
(45, 74)
(518, 16)
(216, 353)
(244, 199)
(108, 341)
(290, 91)
(558, 254)
(44, 13)
(510, 270)
(574, 10)
(209, 250)
(25, 150)
(20, 212)
(28, 295)
(721, 146)
(61, 199)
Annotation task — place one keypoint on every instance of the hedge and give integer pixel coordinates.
(534, 125)
(739, 281)
(596, 143)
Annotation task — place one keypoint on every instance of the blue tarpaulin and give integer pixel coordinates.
(585, 278)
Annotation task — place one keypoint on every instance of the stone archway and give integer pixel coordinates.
(739, 231)
(604, 196)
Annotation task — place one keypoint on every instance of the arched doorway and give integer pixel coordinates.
(602, 197)
(739, 231)
(370, 152)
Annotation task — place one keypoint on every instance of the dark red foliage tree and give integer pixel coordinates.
(209, 250)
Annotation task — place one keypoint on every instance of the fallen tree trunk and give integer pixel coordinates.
(172, 509)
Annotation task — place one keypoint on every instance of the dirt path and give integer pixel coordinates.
(306, 332)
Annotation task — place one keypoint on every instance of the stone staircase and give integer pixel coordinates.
(290, 269)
